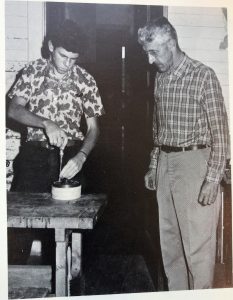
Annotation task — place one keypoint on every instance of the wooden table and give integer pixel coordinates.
(39, 210)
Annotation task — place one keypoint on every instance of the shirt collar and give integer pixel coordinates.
(49, 72)
(179, 68)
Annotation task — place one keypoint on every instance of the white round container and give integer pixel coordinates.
(66, 190)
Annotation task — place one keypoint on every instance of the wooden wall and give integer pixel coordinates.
(201, 31)
(24, 33)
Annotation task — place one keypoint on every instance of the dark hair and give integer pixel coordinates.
(69, 36)
(159, 26)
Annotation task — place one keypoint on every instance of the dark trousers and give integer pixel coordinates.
(35, 170)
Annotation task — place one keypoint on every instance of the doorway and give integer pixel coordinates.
(120, 160)
(126, 126)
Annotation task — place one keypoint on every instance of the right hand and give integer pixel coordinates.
(57, 137)
(150, 180)
(73, 166)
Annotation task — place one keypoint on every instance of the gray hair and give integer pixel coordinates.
(158, 27)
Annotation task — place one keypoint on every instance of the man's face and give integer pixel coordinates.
(160, 53)
(62, 60)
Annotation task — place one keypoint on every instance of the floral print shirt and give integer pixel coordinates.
(63, 101)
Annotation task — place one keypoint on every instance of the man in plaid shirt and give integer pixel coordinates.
(190, 134)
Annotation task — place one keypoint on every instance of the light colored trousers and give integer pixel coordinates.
(187, 229)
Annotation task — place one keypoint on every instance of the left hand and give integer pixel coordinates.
(73, 166)
(208, 193)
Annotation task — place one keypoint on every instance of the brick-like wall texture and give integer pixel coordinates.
(24, 29)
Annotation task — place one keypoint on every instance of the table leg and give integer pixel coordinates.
(76, 254)
(61, 265)
(76, 269)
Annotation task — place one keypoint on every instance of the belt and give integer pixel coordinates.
(45, 144)
(169, 149)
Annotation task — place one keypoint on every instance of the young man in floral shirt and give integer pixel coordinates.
(50, 98)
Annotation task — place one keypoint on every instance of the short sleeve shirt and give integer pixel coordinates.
(63, 101)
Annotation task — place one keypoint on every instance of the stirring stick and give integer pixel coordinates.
(61, 158)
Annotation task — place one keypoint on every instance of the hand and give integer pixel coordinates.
(73, 166)
(150, 180)
(208, 193)
(57, 136)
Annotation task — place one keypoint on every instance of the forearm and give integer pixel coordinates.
(219, 149)
(218, 126)
(75, 164)
(90, 140)
(154, 158)
(216, 164)
(20, 114)
(155, 151)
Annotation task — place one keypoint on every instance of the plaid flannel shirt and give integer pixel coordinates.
(189, 110)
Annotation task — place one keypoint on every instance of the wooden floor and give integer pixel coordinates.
(116, 274)
(115, 265)
(122, 272)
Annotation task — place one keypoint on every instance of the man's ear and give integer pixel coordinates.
(172, 44)
(50, 45)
